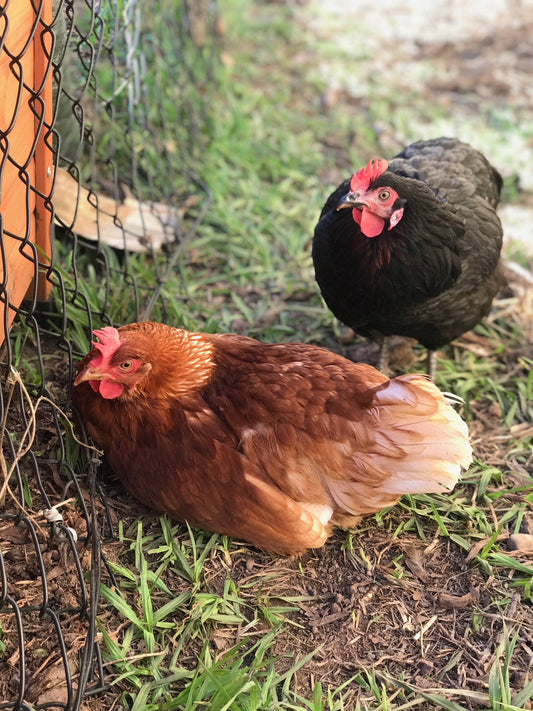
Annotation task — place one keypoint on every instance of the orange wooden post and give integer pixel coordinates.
(44, 160)
(26, 161)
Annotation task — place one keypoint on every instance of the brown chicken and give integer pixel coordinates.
(273, 444)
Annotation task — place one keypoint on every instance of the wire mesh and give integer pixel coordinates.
(125, 200)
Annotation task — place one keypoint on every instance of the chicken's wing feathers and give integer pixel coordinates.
(327, 433)
(288, 526)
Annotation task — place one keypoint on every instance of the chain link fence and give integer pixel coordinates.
(98, 141)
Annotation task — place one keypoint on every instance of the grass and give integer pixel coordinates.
(192, 620)
(161, 625)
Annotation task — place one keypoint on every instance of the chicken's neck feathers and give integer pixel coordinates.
(429, 233)
(181, 361)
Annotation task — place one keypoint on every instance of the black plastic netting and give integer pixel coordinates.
(125, 200)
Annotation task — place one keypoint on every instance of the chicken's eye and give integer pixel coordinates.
(384, 194)
(126, 365)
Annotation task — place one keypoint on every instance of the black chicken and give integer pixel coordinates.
(418, 253)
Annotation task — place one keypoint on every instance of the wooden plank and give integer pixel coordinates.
(17, 123)
(25, 159)
(20, 270)
(44, 159)
(19, 20)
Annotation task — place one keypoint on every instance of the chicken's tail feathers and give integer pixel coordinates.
(420, 420)
(419, 445)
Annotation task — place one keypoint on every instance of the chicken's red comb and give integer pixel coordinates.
(109, 340)
(362, 179)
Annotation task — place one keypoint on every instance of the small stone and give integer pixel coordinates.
(426, 667)
(520, 542)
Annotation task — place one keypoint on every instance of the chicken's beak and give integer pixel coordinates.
(87, 374)
(352, 199)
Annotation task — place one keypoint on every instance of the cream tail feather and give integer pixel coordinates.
(421, 446)
(417, 417)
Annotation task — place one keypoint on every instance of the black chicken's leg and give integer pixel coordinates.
(432, 365)
(383, 359)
